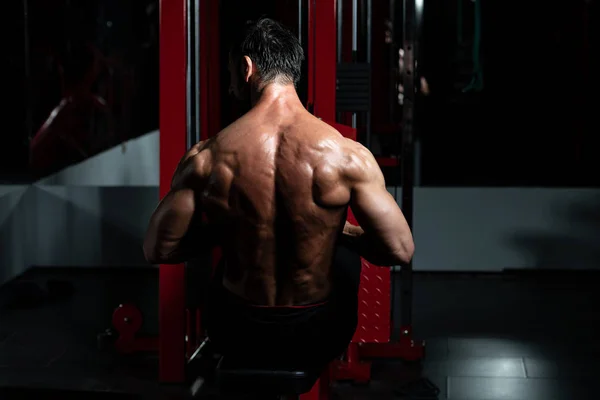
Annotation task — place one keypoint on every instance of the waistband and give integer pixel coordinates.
(242, 301)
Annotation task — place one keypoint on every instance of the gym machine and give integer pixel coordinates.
(189, 29)
(375, 332)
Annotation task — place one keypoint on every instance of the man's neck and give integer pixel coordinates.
(277, 95)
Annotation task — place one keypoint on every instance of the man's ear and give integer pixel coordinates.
(248, 68)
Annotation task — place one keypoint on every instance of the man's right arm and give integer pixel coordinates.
(387, 239)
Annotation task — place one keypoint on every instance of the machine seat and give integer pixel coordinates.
(241, 376)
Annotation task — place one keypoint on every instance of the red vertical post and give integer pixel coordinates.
(346, 43)
(325, 51)
(310, 57)
(172, 141)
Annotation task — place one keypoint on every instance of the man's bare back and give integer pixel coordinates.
(275, 187)
(277, 184)
(278, 189)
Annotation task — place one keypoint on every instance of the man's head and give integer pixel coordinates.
(263, 52)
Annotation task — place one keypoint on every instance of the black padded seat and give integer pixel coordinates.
(240, 376)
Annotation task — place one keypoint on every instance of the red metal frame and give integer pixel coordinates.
(321, 100)
(175, 319)
(310, 56)
(321, 81)
(373, 336)
(372, 339)
(173, 62)
(127, 320)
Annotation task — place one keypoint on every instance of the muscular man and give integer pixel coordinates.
(275, 186)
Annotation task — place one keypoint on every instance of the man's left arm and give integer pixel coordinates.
(176, 232)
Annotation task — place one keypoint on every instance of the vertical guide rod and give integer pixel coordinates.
(354, 28)
(300, 22)
(369, 42)
(408, 144)
(419, 4)
(354, 44)
(196, 71)
(192, 94)
(190, 124)
(339, 42)
(188, 73)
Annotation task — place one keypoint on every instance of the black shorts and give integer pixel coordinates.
(296, 337)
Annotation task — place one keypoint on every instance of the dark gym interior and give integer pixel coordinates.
(498, 178)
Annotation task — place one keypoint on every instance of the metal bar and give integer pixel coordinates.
(189, 103)
(192, 270)
(354, 27)
(408, 144)
(369, 44)
(173, 46)
(196, 71)
(340, 43)
(300, 21)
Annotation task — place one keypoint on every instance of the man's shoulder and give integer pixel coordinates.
(321, 133)
(358, 161)
(347, 148)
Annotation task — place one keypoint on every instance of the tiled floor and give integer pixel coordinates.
(489, 338)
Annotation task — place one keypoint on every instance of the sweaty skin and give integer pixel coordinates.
(277, 184)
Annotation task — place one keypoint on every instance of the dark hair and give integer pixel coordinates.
(273, 48)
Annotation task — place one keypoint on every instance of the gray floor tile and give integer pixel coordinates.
(492, 347)
(477, 367)
(518, 389)
(562, 368)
